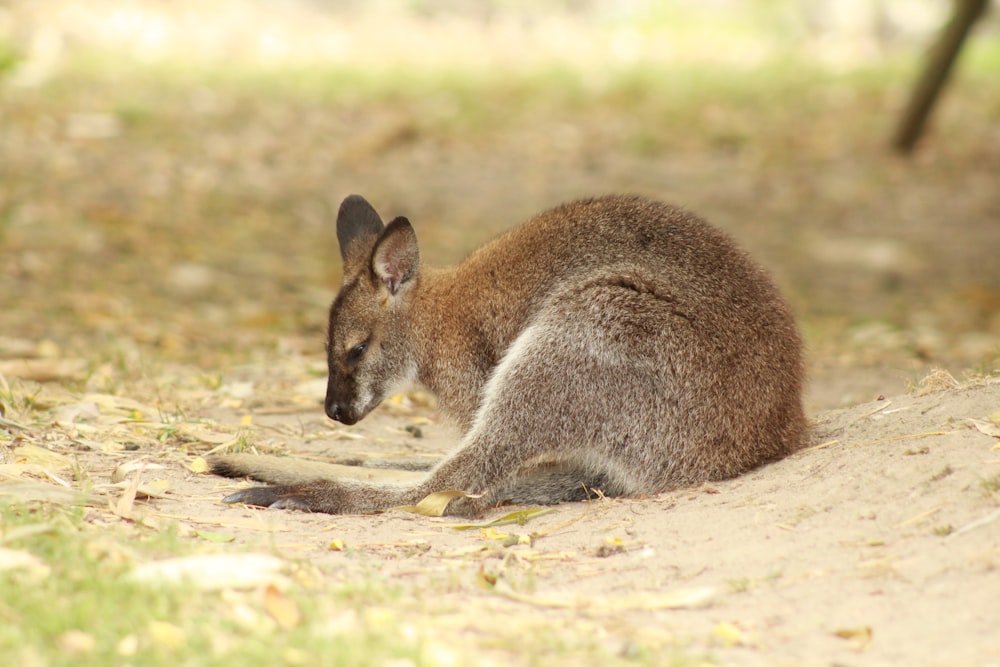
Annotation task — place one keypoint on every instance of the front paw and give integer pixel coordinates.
(275, 497)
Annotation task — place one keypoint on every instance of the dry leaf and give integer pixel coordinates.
(41, 456)
(493, 534)
(68, 415)
(29, 490)
(126, 501)
(110, 402)
(212, 571)
(730, 635)
(122, 471)
(990, 428)
(860, 636)
(16, 559)
(199, 465)
(156, 488)
(16, 470)
(337, 545)
(44, 370)
(281, 608)
(434, 504)
(166, 635)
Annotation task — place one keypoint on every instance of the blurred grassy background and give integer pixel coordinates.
(169, 172)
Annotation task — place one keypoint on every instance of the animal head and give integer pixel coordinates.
(368, 350)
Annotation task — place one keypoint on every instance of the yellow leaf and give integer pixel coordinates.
(380, 616)
(40, 456)
(433, 505)
(281, 608)
(155, 489)
(493, 534)
(337, 545)
(246, 420)
(860, 636)
(729, 634)
(47, 348)
(165, 634)
(199, 465)
(614, 541)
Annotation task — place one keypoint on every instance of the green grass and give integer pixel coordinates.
(10, 58)
(76, 605)
(991, 484)
(80, 608)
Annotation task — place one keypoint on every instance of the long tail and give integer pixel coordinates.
(286, 471)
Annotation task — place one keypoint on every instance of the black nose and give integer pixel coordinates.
(340, 413)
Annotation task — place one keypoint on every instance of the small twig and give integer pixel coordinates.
(921, 516)
(978, 523)
(824, 445)
(909, 436)
(880, 408)
(12, 424)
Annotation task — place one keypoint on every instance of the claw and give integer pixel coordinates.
(290, 504)
(259, 496)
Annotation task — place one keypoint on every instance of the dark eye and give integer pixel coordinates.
(355, 353)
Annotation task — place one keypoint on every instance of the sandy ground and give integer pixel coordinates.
(877, 545)
(871, 535)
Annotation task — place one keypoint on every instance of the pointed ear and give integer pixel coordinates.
(395, 258)
(358, 226)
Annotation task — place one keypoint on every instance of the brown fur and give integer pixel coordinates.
(618, 344)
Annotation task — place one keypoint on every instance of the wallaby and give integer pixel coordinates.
(617, 345)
